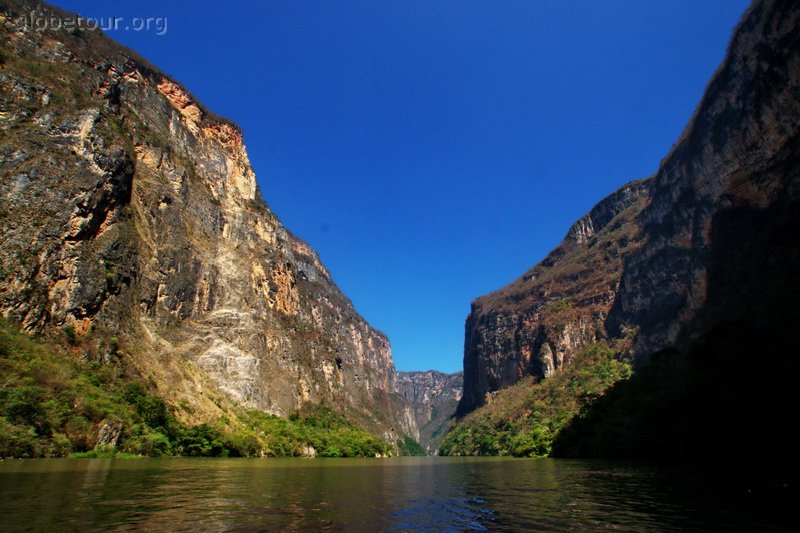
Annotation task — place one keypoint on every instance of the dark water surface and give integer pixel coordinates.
(402, 494)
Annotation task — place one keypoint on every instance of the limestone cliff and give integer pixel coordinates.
(130, 210)
(432, 397)
(708, 236)
(535, 325)
(718, 232)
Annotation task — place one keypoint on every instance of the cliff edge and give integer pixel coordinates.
(131, 212)
(696, 268)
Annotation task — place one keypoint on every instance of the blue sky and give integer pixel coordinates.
(431, 152)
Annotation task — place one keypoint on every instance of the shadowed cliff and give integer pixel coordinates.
(708, 283)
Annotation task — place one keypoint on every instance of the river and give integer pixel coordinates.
(401, 494)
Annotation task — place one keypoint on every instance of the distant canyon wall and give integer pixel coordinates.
(433, 397)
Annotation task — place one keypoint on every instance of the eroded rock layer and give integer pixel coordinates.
(658, 262)
(128, 209)
(719, 230)
(432, 397)
(535, 325)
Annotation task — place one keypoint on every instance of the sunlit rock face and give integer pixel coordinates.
(130, 209)
(709, 235)
(432, 398)
(535, 325)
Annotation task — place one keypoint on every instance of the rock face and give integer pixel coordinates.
(533, 326)
(663, 259)
(432, 397)
(128, 209)
(718, 231)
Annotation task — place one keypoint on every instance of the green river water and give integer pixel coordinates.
(400, 494)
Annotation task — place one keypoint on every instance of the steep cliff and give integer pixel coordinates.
(730, 184)
(535, 325)
(433, 397)
(714, 261)
(713, 291)
(129, 211)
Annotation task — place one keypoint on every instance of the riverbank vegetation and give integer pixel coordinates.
(56, 401)
(524, 420)
(720, 397)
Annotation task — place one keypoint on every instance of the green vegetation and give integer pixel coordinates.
(104, 453)
(525, 419)
(329, 433)
(722, 397)
(408, 446)
(728, 394)
(53, 403)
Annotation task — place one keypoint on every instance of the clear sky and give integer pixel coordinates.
(432, 151)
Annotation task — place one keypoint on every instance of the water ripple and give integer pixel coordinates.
(402, 494)
(442, 515)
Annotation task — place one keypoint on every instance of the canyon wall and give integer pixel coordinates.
(432, 397)
(708, 237)
(131, 212)
(534, 326)
(718, 230)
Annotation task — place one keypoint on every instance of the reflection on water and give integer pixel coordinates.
(442, 514)
(403, 494)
